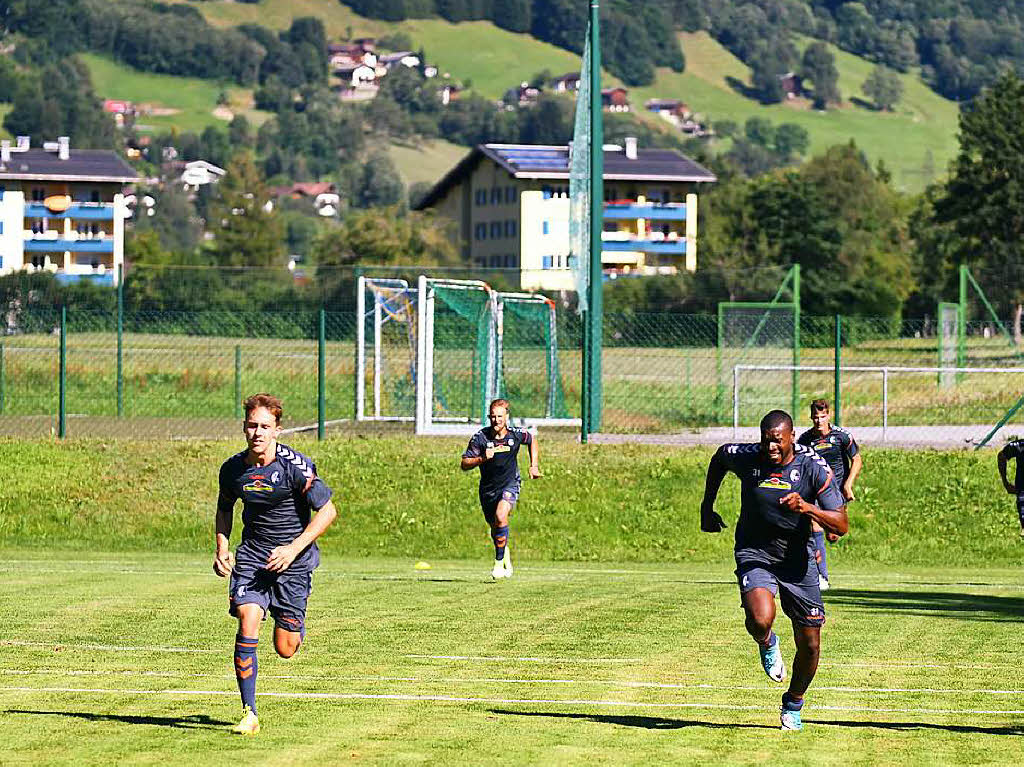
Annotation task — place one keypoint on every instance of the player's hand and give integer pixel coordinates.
(710, 520)
(793, 502)
(535, 472)
(224, 563)
(281, 558)
(848, 494)
(488, 453)
(831, 537)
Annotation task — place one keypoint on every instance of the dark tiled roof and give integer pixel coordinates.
(82, 164)
(552, 162)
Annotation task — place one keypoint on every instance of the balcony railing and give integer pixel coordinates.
(50, 245)
(645, 245)
(85, 211)
(671, 211)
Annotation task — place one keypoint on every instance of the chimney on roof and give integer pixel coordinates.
(630, 147)
(63, 147)
(5, 152)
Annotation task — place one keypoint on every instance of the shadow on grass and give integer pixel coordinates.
(978, 607)
(194, 722)
(643, 722)
(968, 729)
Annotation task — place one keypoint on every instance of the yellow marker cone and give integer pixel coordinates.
(421, 565)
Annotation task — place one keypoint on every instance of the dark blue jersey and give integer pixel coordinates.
(838, 448)
(767, 532)
(1015, 450)
(277, 502)
(502, 470)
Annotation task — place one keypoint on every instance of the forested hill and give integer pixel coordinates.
(960, 45)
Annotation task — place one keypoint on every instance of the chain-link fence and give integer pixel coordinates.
(150, 368)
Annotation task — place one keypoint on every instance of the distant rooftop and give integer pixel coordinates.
(62, 163)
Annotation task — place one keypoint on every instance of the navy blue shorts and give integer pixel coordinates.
(798, 591)
(283, 595)
(489, 503)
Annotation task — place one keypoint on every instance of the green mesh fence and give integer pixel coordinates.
(463, 351)
(529, 370)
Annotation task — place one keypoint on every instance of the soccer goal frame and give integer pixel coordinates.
(384, 310)
(426, 391)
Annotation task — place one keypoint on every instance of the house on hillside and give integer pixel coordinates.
(322, 195)
(567, 83)
(388, 61)
(510, 203)
(63, 210)
(522, 95)
(615, 99)
(792, 85)
(672, 110)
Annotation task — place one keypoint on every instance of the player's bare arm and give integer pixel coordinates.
(1002, 473)
(281, 557)
(834, 521)
(710, 520)
(474, 461)
(534, 458)
(856, 464)
(223, 559)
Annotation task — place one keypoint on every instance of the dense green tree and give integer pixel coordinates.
(883, 87)
(819, 66)
(984, 195)
(383, 236)
(380, 184)
(791, 140)
(245, 233)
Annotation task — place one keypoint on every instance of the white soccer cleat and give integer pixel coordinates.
(498, 571)
(823, 583)
(507, 563)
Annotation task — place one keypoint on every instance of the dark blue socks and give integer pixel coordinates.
(245, 669)
(819, 554)
(500, 537)
(790, 703)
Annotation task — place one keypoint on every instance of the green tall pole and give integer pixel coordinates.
(795, 398)
(238, 380)
(2, 381)
(961, 331)
(595, 287)
(321, 378)
(838, 393)
(120, 344)
(62, 416)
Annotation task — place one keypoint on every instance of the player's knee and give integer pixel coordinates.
(758, 625)
(287, 646)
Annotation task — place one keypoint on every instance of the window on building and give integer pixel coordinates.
(513, 261)
(513, 225)
(547, 262)
(94, 195)
(510, 194)
(545, 227)
(480, 261)
(1, 228)
(480, 231)
(495, 230)
(2, 189)
(480, 197)
(38, 194)
(546, 191)
(495, 262)
(495, 195)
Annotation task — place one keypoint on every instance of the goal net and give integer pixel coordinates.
(385, 350)
(528, 371)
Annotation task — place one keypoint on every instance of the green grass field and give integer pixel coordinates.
(185, 103)
(426, 161)
(618, 641)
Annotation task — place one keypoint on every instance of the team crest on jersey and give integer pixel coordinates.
(275, 477)
(775, 483)
(794, 475)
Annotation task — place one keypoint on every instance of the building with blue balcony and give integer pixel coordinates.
(510, 203)
(63, 211)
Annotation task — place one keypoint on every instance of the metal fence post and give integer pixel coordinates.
(238, 380)
(838, 393)
(321, 377)
(63, 375)
(120, 347)
(795, 403)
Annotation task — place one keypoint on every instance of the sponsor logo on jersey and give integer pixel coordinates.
(775, 483)
(502, 449)
(258, 486)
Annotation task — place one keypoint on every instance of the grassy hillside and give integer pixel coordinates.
(922, 127)
(185, 103)
(923, 121)
(425, 162)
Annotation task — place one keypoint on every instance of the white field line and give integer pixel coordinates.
(494, 658)
(499, 701)
(525, 571)
(567, 682)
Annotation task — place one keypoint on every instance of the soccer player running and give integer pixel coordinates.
(1014, 450)
(272, 569)
(780, 483)
(495, 450)
(838, 447)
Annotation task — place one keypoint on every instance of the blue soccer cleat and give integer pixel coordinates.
(771, 661)
(789, 718)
